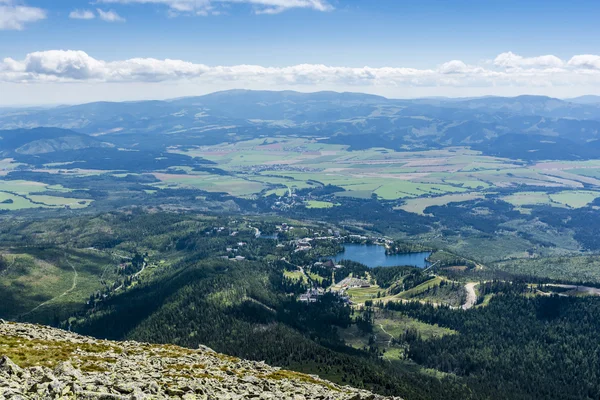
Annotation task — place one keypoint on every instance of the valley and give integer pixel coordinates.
(412, 248)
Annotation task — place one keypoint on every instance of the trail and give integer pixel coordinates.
(140, 271)
(387, 333)
(266, 307)
(14, 260)
(73, 287)
(471, 296)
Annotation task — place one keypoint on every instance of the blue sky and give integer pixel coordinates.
(413, 34)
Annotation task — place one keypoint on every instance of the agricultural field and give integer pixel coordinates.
(419, 205)
(210, 183)
(319, 204)
(438, 177)
(18, 195)
(569, 199)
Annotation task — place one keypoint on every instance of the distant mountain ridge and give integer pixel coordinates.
(354, 119)
(46, 140)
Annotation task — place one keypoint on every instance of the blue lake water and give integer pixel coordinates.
(374, 256)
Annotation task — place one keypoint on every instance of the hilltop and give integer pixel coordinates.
(39, 362)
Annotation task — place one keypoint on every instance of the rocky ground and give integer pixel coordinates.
(38, 362)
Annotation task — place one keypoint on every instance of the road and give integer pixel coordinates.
(140, 271)
(471, 296)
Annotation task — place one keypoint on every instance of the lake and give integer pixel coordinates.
(374, 256)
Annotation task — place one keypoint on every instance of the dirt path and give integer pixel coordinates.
(471, 296)
(266, 307)
(387, 333)
(73, 287)
(141, 270)
(14, 260)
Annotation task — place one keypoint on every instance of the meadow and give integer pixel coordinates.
(19, 194)
(44, 284)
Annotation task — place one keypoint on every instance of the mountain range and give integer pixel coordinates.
(523, 126)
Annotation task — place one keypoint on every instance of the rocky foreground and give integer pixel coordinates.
(38, 362)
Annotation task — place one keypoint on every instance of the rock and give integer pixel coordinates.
(205, 348)
(125, 387)
(66, 369)
(6, 365)
(131, 370)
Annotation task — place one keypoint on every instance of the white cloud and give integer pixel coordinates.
(77, 67)
(82, 14)
(457, 67)
(109, 16)
(511, 60)
(14, 16)
(587, 61)
(203, 7)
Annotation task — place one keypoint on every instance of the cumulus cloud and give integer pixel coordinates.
(77, 66)
(82, 14)
(14, 16)
(203, 7)
(587, 61)
(109, 16)
(511, 60)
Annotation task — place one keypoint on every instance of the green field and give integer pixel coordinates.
(18, 195)
(319, 204)
(435, 176)
(360, 295)
(295, 276)
(211, 183)
(419, 205)
(573, 199)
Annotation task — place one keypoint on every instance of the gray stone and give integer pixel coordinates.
(6, 365)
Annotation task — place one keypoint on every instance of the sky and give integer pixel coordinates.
(75, 51)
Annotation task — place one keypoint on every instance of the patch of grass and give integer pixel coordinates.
(420, 288)
(419, 205)
(319, 204)
(396, 324)
(35, 352)
(360, 295)
(295, 276)
(12, 202)
(60, 201)
(575, 198)
(297, 376)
